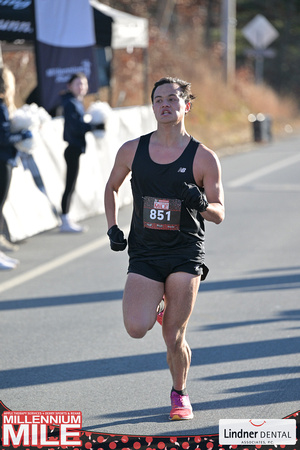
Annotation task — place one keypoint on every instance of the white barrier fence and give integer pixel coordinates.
(34, 200)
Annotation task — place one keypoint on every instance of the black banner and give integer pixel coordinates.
(16, 20)
(65, 44)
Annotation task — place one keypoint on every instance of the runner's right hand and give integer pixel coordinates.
(117, 241)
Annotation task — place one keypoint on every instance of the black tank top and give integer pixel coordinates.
(161, 223)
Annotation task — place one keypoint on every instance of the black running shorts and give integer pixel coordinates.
(159, 269)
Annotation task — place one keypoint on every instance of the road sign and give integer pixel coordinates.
(260, 32)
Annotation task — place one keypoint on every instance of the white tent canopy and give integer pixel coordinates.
(128, 31)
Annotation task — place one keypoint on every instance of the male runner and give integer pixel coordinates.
(176, 185)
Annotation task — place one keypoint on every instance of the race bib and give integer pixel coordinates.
(162, 214)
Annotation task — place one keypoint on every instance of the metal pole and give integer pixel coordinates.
(259, 68)
(146, 75)
(228, 38)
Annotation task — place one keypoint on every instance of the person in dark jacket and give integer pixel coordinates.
(8, 155)
(75, 129)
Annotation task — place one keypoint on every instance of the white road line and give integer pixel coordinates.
(264, 171)
(276, 187)
(55, 263)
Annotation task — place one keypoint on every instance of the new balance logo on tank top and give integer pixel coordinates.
(161, 223)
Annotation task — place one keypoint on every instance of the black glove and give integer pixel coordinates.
(117, 240)
(194, 197)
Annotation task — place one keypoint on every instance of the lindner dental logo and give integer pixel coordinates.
(257, 432)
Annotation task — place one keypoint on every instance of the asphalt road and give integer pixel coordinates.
(63, 345)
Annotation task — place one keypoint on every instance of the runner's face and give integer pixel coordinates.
(168, 104)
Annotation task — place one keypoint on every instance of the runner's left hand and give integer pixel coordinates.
(194, 197)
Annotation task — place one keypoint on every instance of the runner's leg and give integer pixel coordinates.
(141, 298)
(180, 295)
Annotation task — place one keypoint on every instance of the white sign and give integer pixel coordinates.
(260, 32)
(257, 431)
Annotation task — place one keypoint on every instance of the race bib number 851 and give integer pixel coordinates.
(162, 214)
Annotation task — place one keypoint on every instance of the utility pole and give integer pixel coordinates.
(228, 38)
(165, 12)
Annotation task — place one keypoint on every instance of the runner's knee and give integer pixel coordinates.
(135, 330)
(174, 338)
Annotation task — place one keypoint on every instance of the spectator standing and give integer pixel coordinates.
(8, 156)
(75, 129)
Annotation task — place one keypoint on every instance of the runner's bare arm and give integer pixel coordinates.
(120, 170)
(207, 171)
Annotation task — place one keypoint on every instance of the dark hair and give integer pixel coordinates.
(184, 86)
(76, 75)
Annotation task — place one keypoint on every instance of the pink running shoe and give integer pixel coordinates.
(181, 407)
(160, 312)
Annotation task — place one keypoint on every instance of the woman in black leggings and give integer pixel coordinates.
(8, 155)
(74, 133)
(5, 179)
(72, 159)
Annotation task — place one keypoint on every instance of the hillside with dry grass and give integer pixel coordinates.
(219, 116)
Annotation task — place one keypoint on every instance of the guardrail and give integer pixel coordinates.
(33, 203)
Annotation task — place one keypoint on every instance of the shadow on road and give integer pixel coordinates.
(289, 281)
(122, 365)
